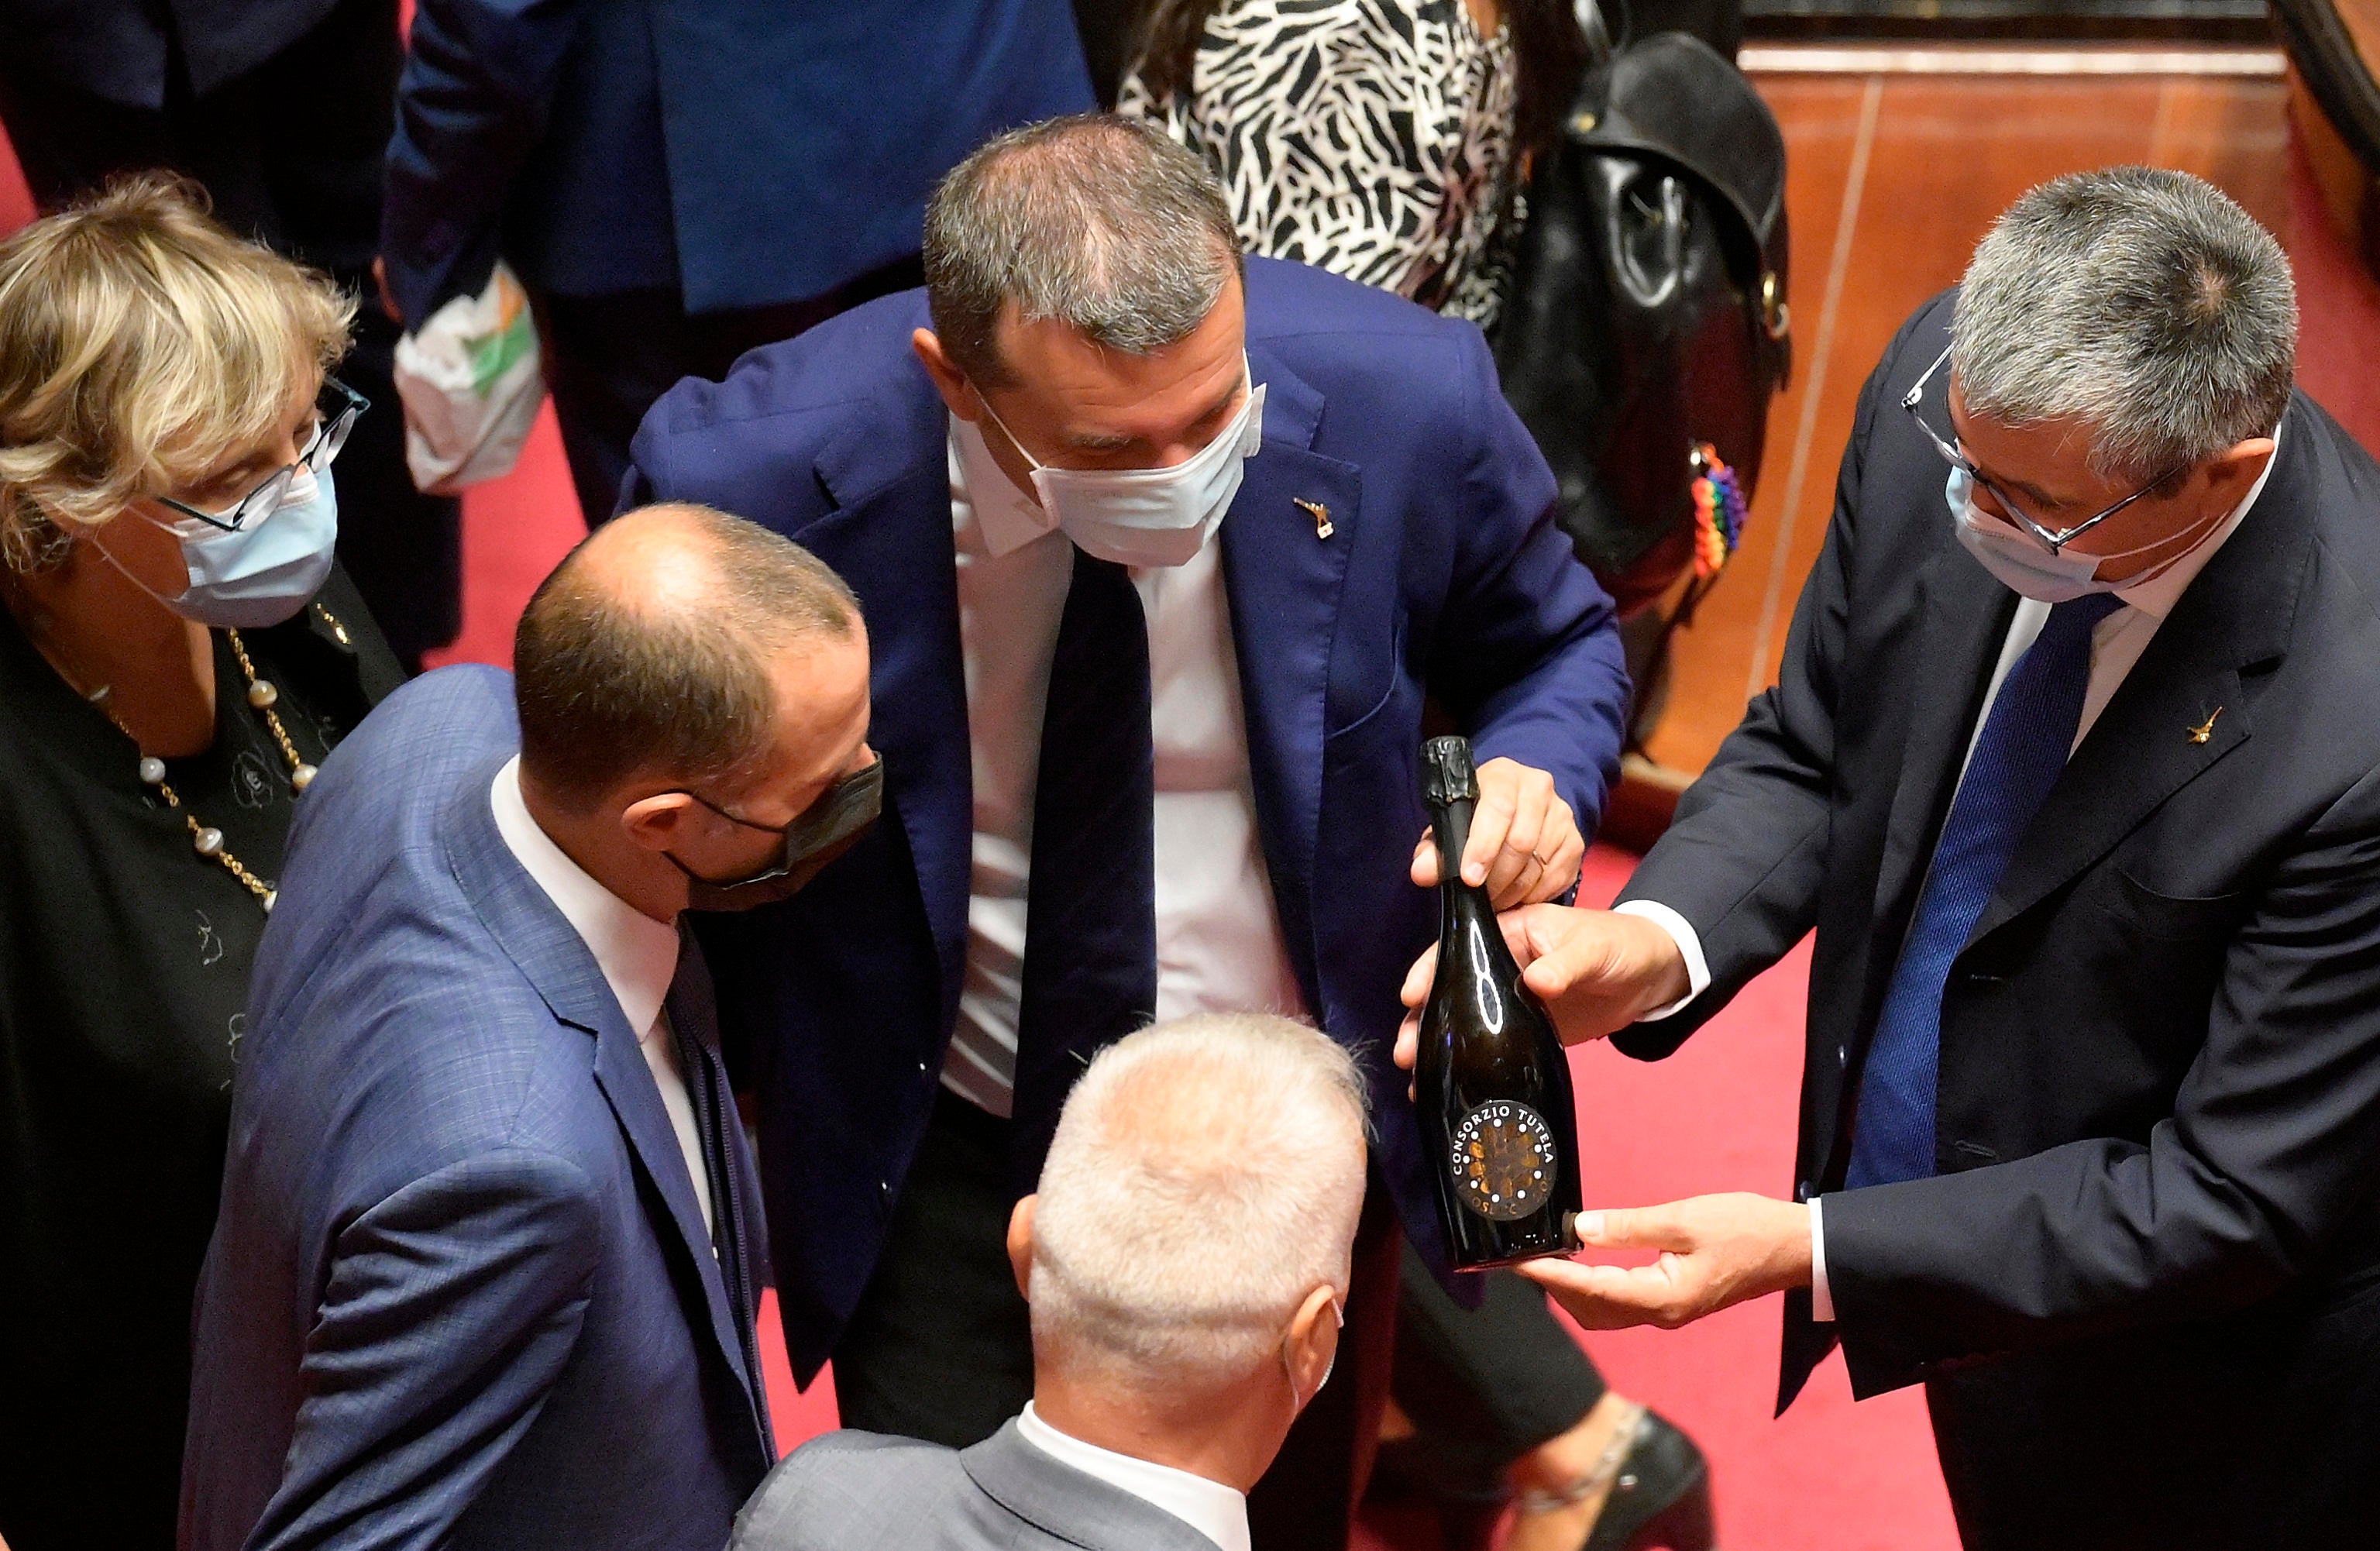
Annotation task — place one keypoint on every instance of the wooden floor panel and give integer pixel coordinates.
(1921, 164)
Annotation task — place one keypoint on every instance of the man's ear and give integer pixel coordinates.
(660, 821)
(1020, 1245)
(949, 381)
(1312, 1341)
(2228, 477)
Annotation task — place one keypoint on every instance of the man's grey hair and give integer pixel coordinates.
(2142, 303)
(1205, 1177)
(1098, 222)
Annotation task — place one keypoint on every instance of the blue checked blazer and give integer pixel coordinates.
(459, 1293)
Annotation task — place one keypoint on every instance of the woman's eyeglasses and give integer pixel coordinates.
(2056, 538)
(336, 413)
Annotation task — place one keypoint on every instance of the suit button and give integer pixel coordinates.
(884, 1191)
(923, 1069)
(1801, 1191)
(1842, 1055)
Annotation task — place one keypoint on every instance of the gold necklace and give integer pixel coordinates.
(205, 839)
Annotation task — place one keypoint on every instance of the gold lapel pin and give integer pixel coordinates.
(2205, 729)
(1319, 513)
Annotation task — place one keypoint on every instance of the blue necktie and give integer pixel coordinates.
(2022, 746)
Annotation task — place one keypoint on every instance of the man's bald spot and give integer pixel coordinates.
(651, 645)
(660, 562)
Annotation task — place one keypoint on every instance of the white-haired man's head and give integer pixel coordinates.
(1196, 1212)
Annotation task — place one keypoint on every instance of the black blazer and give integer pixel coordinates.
(122, 50)
(2158, 1121)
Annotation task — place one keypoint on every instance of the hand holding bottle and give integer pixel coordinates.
(1524, 846)
(1594, 970)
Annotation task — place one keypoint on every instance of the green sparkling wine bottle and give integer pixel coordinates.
(1492, 1083)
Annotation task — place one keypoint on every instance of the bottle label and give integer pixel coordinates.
(1502, 1157)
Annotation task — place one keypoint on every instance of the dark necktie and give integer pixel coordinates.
(694, 1020)
(2022, 746)
(1090, 924)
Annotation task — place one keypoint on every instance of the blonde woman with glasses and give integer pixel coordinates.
(178, 652)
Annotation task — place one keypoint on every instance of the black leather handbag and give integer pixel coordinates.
(1646, 325)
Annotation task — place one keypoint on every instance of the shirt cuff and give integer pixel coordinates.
(1822, 1297)
(1690, 947)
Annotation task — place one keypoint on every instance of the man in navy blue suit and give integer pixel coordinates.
(679, 180)
(489, 1253)
(1162, 556)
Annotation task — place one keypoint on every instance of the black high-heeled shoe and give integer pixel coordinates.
(1659, 1490)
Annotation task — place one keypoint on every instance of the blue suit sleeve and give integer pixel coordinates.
(471, 105)
(449, 1312)
(1527, 653)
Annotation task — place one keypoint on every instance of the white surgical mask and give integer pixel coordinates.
(1150, 516)
(265, 572)
(2027, 566)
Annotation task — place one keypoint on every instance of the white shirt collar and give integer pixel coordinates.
(1210, 1507)
(637, 953)
(1007, 518)
(2157, 596)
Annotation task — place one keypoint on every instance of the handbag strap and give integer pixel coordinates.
(1591, 26)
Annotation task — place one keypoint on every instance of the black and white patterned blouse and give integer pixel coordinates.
(1370, 138)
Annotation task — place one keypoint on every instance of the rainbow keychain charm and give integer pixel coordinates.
(1718, 511)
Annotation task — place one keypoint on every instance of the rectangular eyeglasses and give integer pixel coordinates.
(334, 417)
(2054, 539)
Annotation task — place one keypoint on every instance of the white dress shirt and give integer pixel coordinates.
(2117, 643)
(1215, 1510)
(1218, 943)
(636, 954)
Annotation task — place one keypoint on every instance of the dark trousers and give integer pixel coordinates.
(1483, 1387)
(290, 154)
(608, 358)
(940, 1347)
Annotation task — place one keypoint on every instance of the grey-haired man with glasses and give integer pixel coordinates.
(2074, 768)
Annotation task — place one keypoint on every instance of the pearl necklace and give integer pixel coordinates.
(205, 839)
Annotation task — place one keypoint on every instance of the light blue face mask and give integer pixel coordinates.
(264, 572)
(2020, 563)
(2028, 567)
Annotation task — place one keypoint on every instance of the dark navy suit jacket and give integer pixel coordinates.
(743, 154)
(123, 50)
(459, 1293)
(1445, 577)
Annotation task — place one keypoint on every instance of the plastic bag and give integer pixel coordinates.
(470, 383)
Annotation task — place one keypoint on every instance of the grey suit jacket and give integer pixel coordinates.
(853, 1491)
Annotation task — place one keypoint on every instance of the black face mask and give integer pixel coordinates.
(825, 830)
